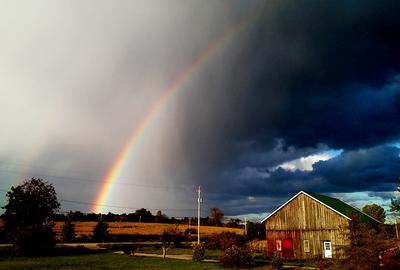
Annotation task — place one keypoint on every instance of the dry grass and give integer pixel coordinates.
(86, 228)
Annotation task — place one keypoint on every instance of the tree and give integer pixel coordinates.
(31, 203)
(375, 211)
(170, 237)
(234, 223)
(367, 242)
(68, 230)
(395, 203)
(160, 217)
(28, 216)
(216, 216)
(255, 231)
(100, 232)
(144, 215)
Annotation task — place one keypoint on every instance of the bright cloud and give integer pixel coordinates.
(306, 163)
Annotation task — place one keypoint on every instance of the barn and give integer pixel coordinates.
(310, 225)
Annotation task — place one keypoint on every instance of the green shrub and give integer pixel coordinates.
(198, 252)
(276, 262)
(100, 231)
(225, 240)
(190, 234)
(172, 236)
(323, 263)
(68, 231)
(236, 257)
(35, 241)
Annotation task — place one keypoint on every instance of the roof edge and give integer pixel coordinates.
(333, 209)
(277, 209)
(353, 207)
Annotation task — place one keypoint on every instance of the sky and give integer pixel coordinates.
(271, 97)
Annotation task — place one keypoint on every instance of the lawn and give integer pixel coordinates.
(101, 262)
(210, 254)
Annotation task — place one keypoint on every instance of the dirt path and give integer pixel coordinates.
(186, 257)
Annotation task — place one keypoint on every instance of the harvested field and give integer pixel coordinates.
(86, 228)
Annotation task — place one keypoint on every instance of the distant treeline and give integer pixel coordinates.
(141, 215)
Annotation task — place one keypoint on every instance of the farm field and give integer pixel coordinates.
(141, 228)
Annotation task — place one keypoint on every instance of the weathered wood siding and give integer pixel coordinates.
(306, 219)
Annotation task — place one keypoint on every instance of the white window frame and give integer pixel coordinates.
(278, 245)
(306, 245)
(327, 252)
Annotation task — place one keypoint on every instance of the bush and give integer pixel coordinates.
(237, 257)
(35, 241)
(172, 236)
(100, 232)
(190, 234)
(323, 263)
(276, 262)
(225, 240)
(198, 252)
(258, 246)
(390, 259)
(68, 231)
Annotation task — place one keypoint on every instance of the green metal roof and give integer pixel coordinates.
(342, 207)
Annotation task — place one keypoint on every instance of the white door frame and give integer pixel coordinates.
(327, 249)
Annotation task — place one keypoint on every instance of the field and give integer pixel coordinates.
(86, 228)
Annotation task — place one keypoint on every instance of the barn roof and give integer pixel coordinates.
(334, 204)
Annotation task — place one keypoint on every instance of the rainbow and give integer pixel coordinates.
(167, 93)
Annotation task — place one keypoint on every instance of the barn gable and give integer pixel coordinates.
(336, 205)
(303, 212)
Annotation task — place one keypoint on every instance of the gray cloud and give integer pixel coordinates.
(299, 79)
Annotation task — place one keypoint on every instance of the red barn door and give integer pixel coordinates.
(287, 249)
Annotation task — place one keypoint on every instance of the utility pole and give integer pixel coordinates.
(199, 201)
(245, 225)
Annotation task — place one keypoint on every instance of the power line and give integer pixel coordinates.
(58, 178)
(118, 206)
(61, 178)
(125, 207)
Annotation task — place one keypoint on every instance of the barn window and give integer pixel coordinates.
(278, 245)
(306, 245)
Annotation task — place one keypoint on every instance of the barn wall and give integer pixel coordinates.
(315, 238)
(306, 219)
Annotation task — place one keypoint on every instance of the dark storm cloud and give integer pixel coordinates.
(309, 76)
(374, 169)
(310, 73)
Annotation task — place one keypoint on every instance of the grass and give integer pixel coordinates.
(122, 262)
(100, 262)
(210, 254)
